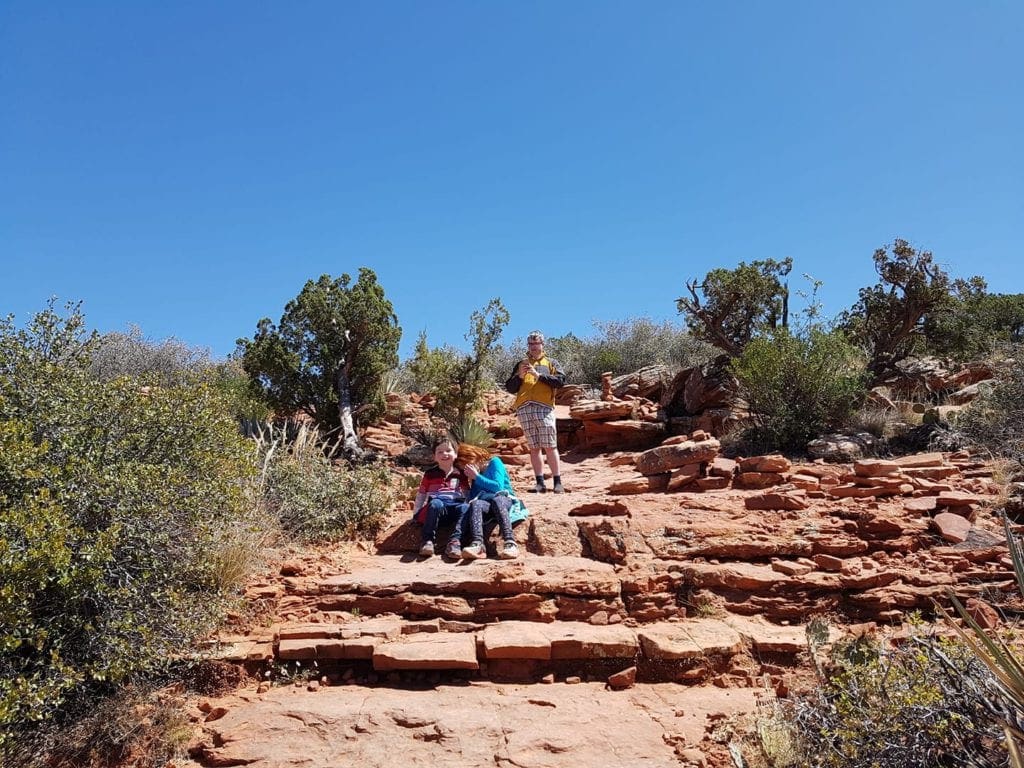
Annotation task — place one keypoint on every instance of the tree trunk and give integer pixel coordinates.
(349, 439)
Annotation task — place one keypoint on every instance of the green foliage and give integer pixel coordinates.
(168, 362)
(620, 346)
(471, 432)
(797, 386)
(244, 400)
(316, 500)
(916, 705)
(738, 304)
(995, 420)
(977, 324)
(457, 380)
(117, 502)
(171, 362)
(889, 317)
(432, 370)
(1001, 656)
(327, 355)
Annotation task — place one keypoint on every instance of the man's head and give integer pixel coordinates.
(535, 344)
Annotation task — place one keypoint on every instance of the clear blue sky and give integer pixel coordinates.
(187, 166)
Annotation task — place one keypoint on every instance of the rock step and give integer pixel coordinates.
(691, 650)
(532, 588)
(840, 577)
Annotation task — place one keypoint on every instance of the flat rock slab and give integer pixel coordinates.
(576, 640)
(478, 724)
(516, 640)
(393, 574)
(690, 639)
(774, 638)
(444, 650)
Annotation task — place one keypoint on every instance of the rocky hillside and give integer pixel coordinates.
(656, 610)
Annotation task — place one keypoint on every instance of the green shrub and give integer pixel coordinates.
(431, 370)
(118, 502)
(977, 324)
(917, 705)
(995, 419)
(472, 432)
(244, 400)
(169, 361)
(797, 386)
(316, 500)
(618, 346)
(458, 380)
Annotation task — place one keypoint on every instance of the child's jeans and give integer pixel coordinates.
(443, 513)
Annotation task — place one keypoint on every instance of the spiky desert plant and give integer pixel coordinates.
(1002, 661)
(472, 432)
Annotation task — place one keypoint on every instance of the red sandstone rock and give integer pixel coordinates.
(770, 463)
(794, 499)
(624, 679)
(952, 527)
(668, 457)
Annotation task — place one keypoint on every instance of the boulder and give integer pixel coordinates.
(841, 447)
(667, 457)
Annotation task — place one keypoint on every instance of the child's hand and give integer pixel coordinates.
(471, 470)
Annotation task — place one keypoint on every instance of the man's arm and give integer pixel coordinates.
(514, 382)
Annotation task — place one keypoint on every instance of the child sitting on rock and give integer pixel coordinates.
(441, 500)
(492, 500)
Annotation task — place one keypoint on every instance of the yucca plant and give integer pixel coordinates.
(998, 656)
(430, 435)
(472, 432)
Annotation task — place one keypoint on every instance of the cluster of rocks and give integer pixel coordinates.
(692, 463)
(640, 409)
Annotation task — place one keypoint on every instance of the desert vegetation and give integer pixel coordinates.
(133, 510)
(140, 480)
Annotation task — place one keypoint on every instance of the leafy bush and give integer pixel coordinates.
(118, 503)
(920, 704)
(316, 500)
(431, 370)
(458, 380)
(327, 355)
(798, 386)
(995, 419)
(169, 362)
(977, 323)
(618, 346)
(244, 400)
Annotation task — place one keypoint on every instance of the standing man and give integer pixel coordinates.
(533, 382)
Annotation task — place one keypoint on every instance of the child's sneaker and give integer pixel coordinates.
(558, 488)
(510, 551)
(538, 488)
(454, 549)
(474, 551)
(427, 549)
